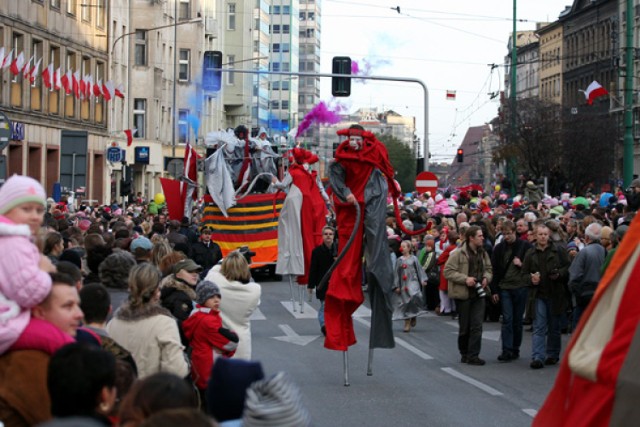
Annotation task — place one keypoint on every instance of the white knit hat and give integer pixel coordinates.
(20, 189)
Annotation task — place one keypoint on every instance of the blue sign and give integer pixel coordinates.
(17, 131)
(115, 154)
(142, 155)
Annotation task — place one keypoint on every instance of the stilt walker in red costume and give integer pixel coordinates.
(361, 174)
(301, 220)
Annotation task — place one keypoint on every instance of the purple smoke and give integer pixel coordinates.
(355, 69)
(365, 67)
(321, 114)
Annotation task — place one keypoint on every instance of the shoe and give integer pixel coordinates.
(407, 325)
(323, 330)
(506, 356)
(413, 321)
(464, 359)
(476, 361)
(551, 361)
(536, 364)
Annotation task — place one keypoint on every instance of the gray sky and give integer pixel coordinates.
(447, 45)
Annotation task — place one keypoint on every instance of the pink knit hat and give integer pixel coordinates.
(20, 189)
(84, 224)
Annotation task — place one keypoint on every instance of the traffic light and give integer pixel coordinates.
(125, 188)
(460, 155)
(341, 86)
(211, 73)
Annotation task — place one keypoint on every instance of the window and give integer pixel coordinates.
(100, 15)
(70, 100)
(231, 16)
(310, 32)
(183, 126)
(36, 83)
(85, 70)
(285, 47)
(54, 95)
(85, 10)
(275, 10)
(184, 10)
(275, 85)
(285, 105)
(275, 47)
(183, 67)
(141, 47)
(275, 105)
(231, 76)
(285, 66)
(311, 16)
(286, 10)
(275, 66)
(285, 85)
(55, 4)
(303, 16)
(275, 29)
(139, 117)
(71, 7)
(285, 29)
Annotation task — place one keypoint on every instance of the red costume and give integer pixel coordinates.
(367, 173)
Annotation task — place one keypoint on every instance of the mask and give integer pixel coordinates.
(355, 142)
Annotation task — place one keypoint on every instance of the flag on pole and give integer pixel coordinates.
(595, 90)
(65, 80)
(130, 133)
(6, 61)
(88, 84)
(26, 69)
(47, 76)
(1, 56)
(34, 71)
(82, 84)
(17, 64)
(188, 189)
(171, 190)
(97, 89)
(75, 78)
(119, 91)
(108, 90)
(598, 382)
(57, 80)
(451, 95)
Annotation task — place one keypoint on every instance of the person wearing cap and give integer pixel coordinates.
(178, 293)
(147, 330)
(208, 339)
(633, 195)
(206, 252)
(141, 249)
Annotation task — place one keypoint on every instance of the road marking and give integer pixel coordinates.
(400, 342)
(482, 386)
(309, 312)
(531, 412)
(362, 311)
(257, 315)
(292, 337)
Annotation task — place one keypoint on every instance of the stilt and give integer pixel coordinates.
(293, 298)
(302, 290)
(370, 363)
(345, 364)
(309, 293)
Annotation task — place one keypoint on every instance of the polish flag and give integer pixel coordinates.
(88, 84)
(82, 87)
(108, 90)
(75, 81)
(1, 56)
(6, 60)
(65, 80)
(57, 80)
(451, 95)
(47, 76)
(34, 71)
(97, 89)
(119, 91)
(595, 90)
(26, 70)
(17, 64)
(130, 133)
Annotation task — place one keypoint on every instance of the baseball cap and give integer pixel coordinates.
(141, 242)
(188, 265)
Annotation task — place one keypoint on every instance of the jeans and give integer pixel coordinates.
(321, 314)
(546, 331)
(471, 316)
(577, 314)
(514, 302)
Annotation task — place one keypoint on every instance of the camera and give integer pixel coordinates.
(247, 253)
(480, 290)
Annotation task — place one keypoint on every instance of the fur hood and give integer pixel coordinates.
(127, 313)
(172, 284)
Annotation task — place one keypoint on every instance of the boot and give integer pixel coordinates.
(407, 325)
(414, 320)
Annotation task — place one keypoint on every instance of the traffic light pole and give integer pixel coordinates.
(383, 78)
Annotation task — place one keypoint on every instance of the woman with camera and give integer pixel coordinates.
(240, 298)
(469, 273)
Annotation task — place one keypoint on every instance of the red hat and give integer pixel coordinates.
(310, 158)
(516, 205)
(298, 155)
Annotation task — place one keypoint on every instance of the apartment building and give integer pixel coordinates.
(309, 53)
(551, 60)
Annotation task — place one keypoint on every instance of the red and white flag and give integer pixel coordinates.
(33, 73)
(75, 79)
(119, 92)
(108, 90)
(595, 90)
(88, 84)
(189, 190)
(17, 64)
(97, 89)
(57, 80)
(130, 133)
(451, 95)
(47, 76)
(65, 80)
(1, 56)
(6, 60)
(26, 69)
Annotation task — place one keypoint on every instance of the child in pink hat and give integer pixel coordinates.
(24, 272)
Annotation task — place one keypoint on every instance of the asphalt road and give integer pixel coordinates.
(420, 382)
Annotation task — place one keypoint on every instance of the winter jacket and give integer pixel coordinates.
(442, 207)
(442, 260)
(519, 249)
(151, 335)
(177, 297)
(22, 283)
(239, 300)
(547, 262)
(208, 340)
(456, 271)
(206, 256)
(321, 260)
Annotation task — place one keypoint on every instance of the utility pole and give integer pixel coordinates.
(512, 100)
(627, 156)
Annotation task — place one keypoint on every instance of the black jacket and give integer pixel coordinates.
(321, 260)
(206, 256)
(520, 248)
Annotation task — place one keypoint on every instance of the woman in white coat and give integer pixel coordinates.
(146, 329)
(240, 297)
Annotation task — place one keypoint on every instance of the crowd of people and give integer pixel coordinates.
(181, 325)
(118, 316)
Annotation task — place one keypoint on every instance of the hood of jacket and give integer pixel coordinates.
(130, 314)
(172, 284)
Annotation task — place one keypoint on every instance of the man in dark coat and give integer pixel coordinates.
(206, 252)
(322, 257)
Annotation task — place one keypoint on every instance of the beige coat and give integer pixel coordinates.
(151, 335)
(239, 301)
(456, 271)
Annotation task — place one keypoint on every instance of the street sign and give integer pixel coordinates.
(427, 181)
(114, 154)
